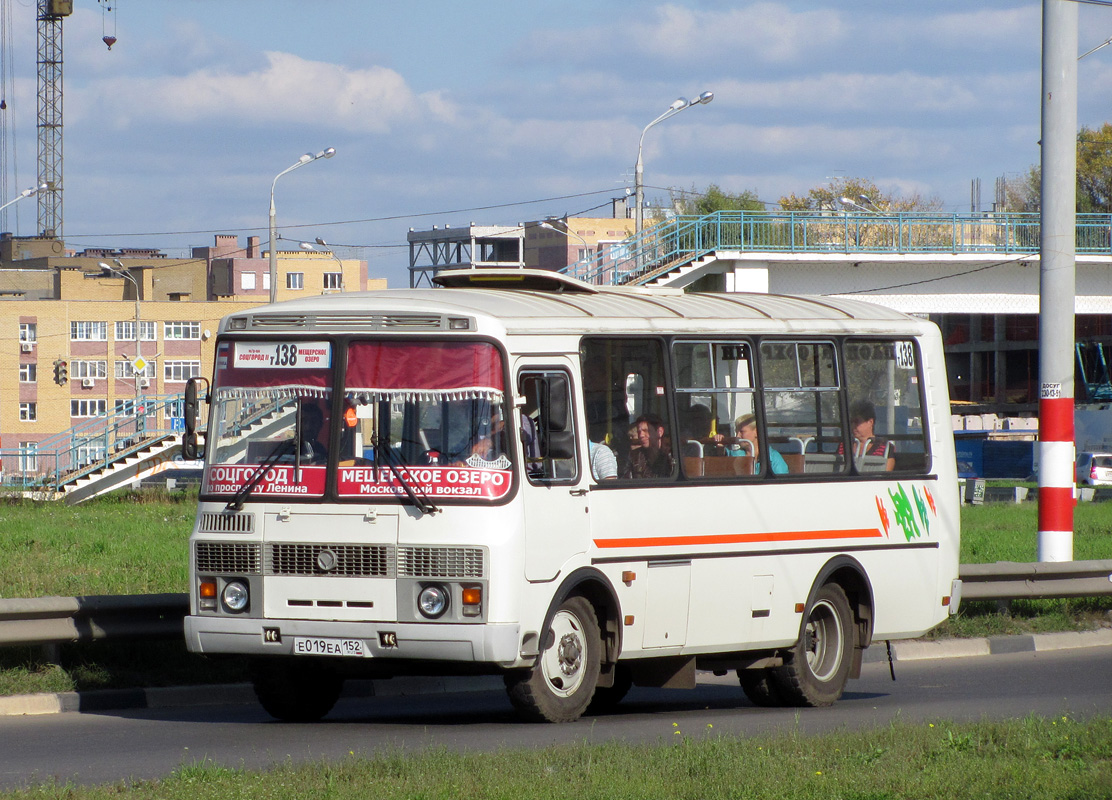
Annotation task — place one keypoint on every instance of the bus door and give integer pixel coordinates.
(555, 505)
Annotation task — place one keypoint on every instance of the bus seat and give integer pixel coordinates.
(820, 462)
(693, 466)
(794, 461)
(727, 466)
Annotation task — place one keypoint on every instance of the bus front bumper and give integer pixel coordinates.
(486, 643)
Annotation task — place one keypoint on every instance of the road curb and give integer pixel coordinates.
(242, 694)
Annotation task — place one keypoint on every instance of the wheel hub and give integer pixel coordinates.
(569, 653)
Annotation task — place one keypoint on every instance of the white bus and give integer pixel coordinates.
(567, 485)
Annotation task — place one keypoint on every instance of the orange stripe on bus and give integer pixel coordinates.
(740, 538)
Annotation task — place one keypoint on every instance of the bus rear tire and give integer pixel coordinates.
(561, 684)
(295, 691)
(816, 669)
(761, 688)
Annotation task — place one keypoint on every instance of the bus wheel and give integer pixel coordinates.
(817, 667)
(760, 687)
(295, 691)
(561, 684)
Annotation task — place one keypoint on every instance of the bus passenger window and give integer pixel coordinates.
(802, 404)
(886, 412)
(548, 427)
(626, 404)
(714, 389)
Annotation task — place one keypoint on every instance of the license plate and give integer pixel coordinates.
(354, 648)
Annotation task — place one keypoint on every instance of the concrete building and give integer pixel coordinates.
(65, 309)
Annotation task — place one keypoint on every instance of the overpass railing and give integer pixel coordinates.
(91, 444)
(671, 243)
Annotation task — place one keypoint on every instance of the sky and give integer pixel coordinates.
(446, 112)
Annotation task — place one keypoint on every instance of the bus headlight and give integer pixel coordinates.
(433, 601)
(235, 596)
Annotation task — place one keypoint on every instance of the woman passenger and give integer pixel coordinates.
(746, 428)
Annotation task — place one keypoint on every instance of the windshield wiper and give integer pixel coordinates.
(236, 503)
(416, 496)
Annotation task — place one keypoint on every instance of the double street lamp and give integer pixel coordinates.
(23, 195)
(679, 105)
(138, 366)
(310, 247)
(308, 158)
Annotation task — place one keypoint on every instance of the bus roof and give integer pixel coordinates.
(539, 301)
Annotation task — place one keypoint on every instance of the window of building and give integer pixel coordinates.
(28, 412)
(82, 331)
(247, 281)
(28, 373)
(125, 371)
(28, 456)
(28, 332)
(333, 280)
(88, 369)
(88, 408)
(266, 281)
(125, 331)
(295, 280)
(181, 330)
(88, 454)
(180, 371)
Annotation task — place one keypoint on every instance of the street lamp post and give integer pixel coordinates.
(638, 173)
(308, 246)
(23, 195)
(121, 271)
(308, 158)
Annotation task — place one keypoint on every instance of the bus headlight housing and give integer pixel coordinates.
(432, 601)
(235, 596)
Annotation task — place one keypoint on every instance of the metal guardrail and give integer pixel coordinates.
(57, 620)
(673, 242)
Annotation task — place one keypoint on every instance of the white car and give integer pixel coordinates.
(1094, 469)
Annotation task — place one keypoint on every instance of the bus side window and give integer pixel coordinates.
(802, 406)
(548, 427)
(885, 403)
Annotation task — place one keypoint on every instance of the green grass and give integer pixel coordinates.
(138, 544)
(1030, 758)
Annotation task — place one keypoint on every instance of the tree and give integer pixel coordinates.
(1094, 176)
(860, 191)
(715, 199)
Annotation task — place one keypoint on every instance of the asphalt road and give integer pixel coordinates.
(108, 747)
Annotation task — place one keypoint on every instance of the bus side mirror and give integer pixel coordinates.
(557, 406)
(191, 447)
(560, 445)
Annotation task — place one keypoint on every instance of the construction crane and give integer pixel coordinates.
(50, 16)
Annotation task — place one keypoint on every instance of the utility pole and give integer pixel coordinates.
(1057, 280)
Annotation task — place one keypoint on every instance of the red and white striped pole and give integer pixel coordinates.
(1057, 280)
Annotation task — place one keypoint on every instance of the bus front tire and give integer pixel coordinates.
(816, 669)
(294, 691)
(561, 684)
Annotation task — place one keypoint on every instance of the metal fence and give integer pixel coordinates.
(92, 444)
(681, 239)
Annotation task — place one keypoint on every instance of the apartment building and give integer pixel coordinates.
(79, 341)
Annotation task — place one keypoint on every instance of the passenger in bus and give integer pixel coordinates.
(489, 442)
(862, 421)
(604, 464)
(653, 458)
(746, 427)
(312, 423)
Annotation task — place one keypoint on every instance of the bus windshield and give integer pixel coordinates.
(431, 414)
(271, 419)
(414, 420)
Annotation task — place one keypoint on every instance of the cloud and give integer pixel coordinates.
(286, 89)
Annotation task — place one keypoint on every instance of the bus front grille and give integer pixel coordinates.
(339, 560)
(227, 558)
(441, 562)
(227, 523)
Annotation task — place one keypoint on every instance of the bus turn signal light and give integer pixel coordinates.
(472, 598)
(207, 594)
